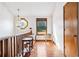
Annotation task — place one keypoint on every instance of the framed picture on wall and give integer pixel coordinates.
(41, 25)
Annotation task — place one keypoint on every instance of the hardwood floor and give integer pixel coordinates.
(45, 49)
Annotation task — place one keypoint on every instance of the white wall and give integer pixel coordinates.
(58, 26)
(6, 22)
(32, 23)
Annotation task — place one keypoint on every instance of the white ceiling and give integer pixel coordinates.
(31, 8)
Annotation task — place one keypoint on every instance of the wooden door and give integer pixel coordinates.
(70, 31)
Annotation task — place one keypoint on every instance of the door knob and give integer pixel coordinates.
(75, 35)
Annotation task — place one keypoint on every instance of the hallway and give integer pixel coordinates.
(19, 29)
(45, 49)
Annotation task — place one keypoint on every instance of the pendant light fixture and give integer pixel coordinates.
(22, 23)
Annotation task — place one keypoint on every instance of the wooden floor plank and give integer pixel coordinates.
(45, 49)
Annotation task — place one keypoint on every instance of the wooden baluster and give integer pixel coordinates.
(12, 46)
(15, 46)
(3, 48)
(9, 47)
(0, 49)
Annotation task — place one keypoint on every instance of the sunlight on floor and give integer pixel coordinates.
(45, 49)
(41, 50)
